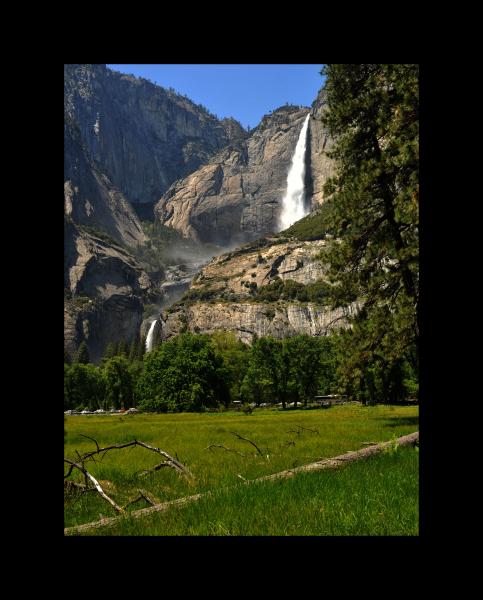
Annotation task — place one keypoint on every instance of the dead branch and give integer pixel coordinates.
(307, 429)
(301, 429)
(149, 497)
(87, 475)
(165, 463)
(143, 495)
(71, 486)
(89, 438)
(169, 462)
(224, 448)
(330, 463)
(247, 440)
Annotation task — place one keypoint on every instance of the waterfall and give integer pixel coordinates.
(149, 338)
(293, 207)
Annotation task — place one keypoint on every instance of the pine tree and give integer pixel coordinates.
(122, 348)
(133, 351)
(109, 352)
(372, 116)
(142, 348)
(67, 358)
(82, 356)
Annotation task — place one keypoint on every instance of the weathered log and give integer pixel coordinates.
(135, 514)
(330, 463)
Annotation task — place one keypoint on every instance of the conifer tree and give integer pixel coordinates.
(122, 348)
(372, 116)
(133, 351)
(82, 356)
(109, 352)
(67, 358)
(142, 348)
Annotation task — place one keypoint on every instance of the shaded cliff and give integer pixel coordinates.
(89, 196)
(104, 291)
(140, 135)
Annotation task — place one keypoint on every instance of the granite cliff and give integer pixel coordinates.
(140, 135)
(127, 143)
(236, 196)
(104, 291)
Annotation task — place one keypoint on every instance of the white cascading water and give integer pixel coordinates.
(149, 338)
(293, 205)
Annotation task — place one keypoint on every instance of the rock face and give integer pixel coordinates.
(125, 142)
(319, 166)
(236, 196)
(221, 296)
(89, 196)
(261, 265)
(141, 136)
(248, 319)
(104, 292)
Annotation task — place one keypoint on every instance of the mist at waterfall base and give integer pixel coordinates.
(293, 203)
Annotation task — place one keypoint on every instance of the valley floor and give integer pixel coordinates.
(376, 496)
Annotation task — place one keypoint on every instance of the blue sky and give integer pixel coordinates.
(245, 92)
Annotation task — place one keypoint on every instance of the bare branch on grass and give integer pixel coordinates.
(224, 448)
(247, 440)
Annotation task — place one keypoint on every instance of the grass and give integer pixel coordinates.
(340, 428)
(378, 496)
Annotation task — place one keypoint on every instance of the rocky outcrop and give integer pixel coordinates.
(224, 294)
(140, 135)
(104, 292)
(236, 196)
(232, 273)
(249, 319)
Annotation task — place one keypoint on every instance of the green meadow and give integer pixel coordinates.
(375, 496)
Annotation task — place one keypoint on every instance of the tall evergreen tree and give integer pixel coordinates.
(110, 351)
(142, 348)
(372, 116)
(122, 348)
(133, 351)
(82, 356)
(67, 358)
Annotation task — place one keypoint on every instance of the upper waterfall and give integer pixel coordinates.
(293, 203)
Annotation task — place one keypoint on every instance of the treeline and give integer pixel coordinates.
(108, 385)
(193, 372)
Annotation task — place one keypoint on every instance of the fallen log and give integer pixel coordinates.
(329, 463)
